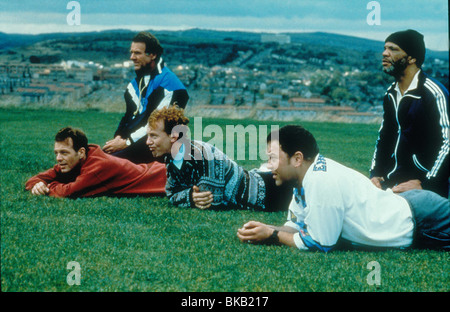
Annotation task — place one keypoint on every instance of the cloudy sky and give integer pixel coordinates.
(349, 17)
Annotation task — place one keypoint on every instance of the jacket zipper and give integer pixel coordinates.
(399, 128)
(398, 135)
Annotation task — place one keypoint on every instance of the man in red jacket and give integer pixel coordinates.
(84, 170)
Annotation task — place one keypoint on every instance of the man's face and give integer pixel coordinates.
(280, 164)
(139, 57)
(395, 60)
(158, 141)
(66, 157)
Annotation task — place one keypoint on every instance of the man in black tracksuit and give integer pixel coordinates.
(412, 150)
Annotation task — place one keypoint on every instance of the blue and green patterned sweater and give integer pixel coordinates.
(207, 167)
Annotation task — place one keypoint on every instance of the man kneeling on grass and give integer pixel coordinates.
(335, 206)
(84, 170)
(200, 175)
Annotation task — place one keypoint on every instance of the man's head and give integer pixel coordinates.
(291, 150)
(145, 51)
(71, 147)
(165, 127)
(403, 49)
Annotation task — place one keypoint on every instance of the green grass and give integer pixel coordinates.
(145, 244)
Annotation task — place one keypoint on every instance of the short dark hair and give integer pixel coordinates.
(294, 138)
(78, 137)
(152, 44)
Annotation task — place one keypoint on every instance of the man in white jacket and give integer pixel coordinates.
(336, 207)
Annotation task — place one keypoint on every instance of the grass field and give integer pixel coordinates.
(145, 244)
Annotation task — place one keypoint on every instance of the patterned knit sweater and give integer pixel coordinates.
(210, 169)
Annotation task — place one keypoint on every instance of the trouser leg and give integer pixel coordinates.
(431, 213)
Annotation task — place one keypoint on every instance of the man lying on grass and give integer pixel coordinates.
(85, 170)
(200, 175)
(335, 206)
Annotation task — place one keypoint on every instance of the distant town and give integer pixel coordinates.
(273, 79)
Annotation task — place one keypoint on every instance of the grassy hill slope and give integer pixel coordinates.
(145, 244)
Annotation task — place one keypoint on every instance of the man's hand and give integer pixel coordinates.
(407, 186)
(377, 181)
(201, 200)
(254, 232)
(40, 188)
(115, 145)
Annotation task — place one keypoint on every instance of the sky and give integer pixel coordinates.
(360, 18)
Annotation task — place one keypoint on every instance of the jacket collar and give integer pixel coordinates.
(147, 71)
(414, 88)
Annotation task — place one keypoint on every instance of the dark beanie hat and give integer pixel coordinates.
(411, 42)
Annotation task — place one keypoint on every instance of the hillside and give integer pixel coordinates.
(241, 70)
(113, 45)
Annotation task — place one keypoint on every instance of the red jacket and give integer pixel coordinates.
(103, 174)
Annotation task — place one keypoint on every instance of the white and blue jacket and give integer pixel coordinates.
(337, 205)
